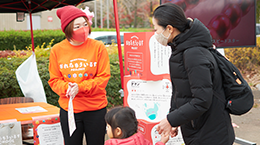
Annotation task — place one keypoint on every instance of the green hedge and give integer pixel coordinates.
(21, 40)
(10, 40)
(10, 88)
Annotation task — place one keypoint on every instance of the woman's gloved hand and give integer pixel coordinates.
(73, 90)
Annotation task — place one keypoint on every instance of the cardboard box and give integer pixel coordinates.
(145, 57)
(148, 129)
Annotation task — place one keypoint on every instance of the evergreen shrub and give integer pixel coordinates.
(10, 88)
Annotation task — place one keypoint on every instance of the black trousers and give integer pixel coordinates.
(92, 123)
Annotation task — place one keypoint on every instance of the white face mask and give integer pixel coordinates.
(161, 38)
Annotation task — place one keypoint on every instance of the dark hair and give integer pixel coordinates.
(69, 29)
(171, 14)
(124, 118)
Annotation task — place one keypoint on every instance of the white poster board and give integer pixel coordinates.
(149, 99)
(10, 133)
(159, 56)
(50, 134)
(47, 130)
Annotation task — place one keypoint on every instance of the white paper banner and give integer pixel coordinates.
(29, 80)
(33, 109)
(71, 119)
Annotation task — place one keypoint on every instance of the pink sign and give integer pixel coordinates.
(231, 22)
(50, 19)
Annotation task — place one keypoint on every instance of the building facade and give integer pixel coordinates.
(43, 20)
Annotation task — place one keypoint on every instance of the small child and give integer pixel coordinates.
(122, 128)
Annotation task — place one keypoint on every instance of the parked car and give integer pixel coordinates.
(107, 37)
(257, 29)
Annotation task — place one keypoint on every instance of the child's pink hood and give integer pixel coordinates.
(136, 139)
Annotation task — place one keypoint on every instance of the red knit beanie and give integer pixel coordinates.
(69, 13)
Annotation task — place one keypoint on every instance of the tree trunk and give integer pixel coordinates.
(135, 16)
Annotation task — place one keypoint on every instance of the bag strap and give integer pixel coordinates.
(215, 54)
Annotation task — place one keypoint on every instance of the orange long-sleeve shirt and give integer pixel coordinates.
(88, 66)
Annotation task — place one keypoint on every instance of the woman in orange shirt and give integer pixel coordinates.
(79, 71)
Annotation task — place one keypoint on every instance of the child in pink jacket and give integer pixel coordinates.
(122, 128)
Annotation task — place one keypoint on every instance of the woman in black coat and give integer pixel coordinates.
(202, 117)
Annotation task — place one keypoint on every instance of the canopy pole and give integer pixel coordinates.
(30, 13)
(119, 44)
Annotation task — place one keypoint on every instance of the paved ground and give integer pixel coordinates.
(249, 123)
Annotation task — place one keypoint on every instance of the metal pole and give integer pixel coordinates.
(95, 10)
(30, 13)
(135, 17)
(107, 14)
(119, 44)
(101, 12)
(243, 142)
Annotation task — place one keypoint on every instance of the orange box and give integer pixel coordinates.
(148, 129)
(145, 57)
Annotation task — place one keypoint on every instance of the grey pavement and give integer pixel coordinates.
(249, 124)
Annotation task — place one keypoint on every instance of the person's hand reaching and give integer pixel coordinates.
(165, 138)
(174, 131)
(164, 127)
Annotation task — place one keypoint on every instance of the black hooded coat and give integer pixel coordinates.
(202, 117)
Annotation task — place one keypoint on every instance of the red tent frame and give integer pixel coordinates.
(119, 44)
(13, 7)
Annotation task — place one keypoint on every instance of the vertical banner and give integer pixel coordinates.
(147, 85)
(47, 130)
(10, 133)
